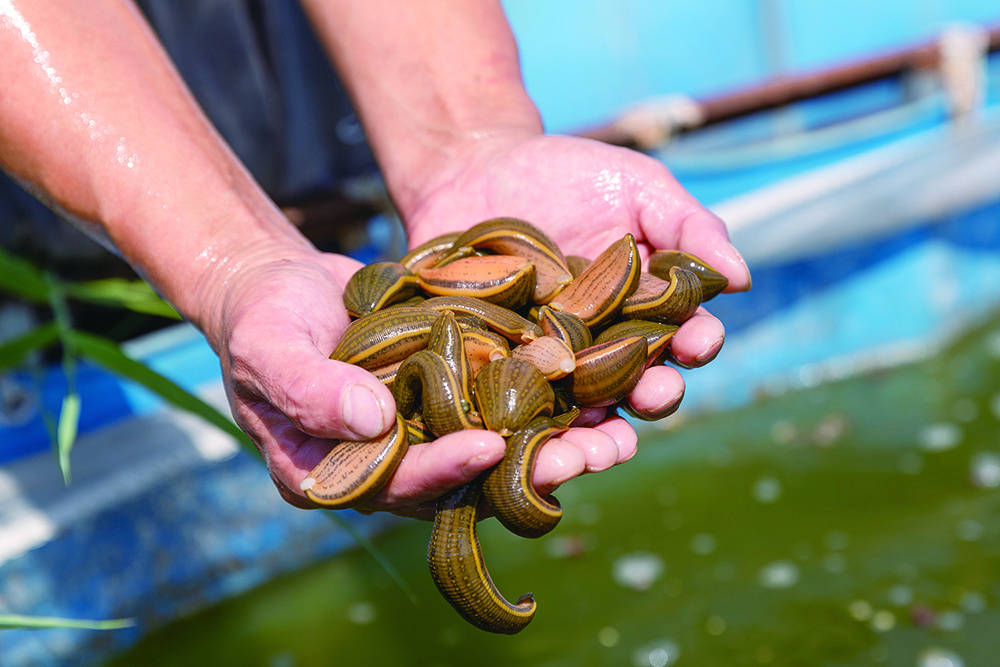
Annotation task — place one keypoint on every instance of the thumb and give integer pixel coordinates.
(670, 218)
(321, 397)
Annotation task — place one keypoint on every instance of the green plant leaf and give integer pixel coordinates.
(107, 354)
(20, 278)
(69, 421)
(10, 621)
(13, 352)
(134, 295)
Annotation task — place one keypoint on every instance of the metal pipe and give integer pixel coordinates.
(785, 89)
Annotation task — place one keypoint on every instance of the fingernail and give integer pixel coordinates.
(711, 352)
(362, 411)
(746, 268)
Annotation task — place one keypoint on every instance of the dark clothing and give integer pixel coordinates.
(264, 81)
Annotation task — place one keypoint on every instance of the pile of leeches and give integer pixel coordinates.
(494, 328)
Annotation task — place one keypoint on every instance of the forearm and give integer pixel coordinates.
(428, 78)
(95, 119)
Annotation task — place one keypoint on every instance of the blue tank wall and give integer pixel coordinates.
(584, 60)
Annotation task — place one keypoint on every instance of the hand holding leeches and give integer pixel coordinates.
(292, 399)
(95, 117)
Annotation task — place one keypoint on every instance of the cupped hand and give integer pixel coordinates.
(279, 320)
(586, 195)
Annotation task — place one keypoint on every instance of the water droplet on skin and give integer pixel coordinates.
(608, 636)
(766, 490)
(940, 437)
(703, 544)
(779, 574)
(860, 610)
(939, 657)
(361, 613)
(662, 653)
(984, 470)
(637, 570)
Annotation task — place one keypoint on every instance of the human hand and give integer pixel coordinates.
(586, 195)
(278, 319)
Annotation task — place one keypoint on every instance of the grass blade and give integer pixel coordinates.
(66, 429)
(108, 355)
(10, 621)
(135, 295)
(20, 278)
(13, 352)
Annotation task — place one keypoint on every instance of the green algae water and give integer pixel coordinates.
(853, 523)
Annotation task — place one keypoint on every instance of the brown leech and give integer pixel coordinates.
(508, 487)
(354, 471)
(459, 570)
(605, 373)
(597, 294)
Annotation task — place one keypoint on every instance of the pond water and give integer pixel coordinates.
(854, 523)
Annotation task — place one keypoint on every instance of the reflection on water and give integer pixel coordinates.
(854, 523)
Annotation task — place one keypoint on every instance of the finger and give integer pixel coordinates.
(670, 218)
(658, 392)
(320, 396)
(600, 451)
(557, 462)
(288, 453)
(705, 236)
(624, 436)
(698, 341)
(431, 469)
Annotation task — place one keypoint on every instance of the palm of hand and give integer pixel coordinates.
(584, 194)
(282, 319)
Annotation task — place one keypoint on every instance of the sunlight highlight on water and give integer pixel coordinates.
(779, 574)
(608, 636)
(637, 570)
(361, 613)
(883, 620)
(662, 653)
(860, 610)
(767, 490)
(940, 437)
(984, 470)
(900, 595)
(939, 657)
(703, 544)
